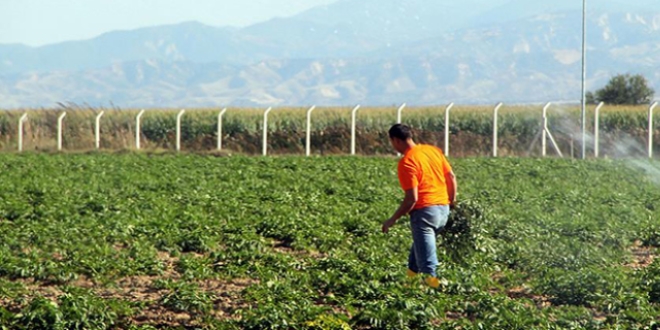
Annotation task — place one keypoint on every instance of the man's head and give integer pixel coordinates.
(401, 137)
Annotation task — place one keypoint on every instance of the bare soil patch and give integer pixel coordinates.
(643, 256)
(524, 293)
(226, 294)
(284, 247)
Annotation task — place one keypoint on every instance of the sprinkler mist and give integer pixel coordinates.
(618, 145)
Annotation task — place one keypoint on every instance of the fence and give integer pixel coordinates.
(544, 129)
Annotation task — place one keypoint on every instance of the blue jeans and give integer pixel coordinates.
(426, 224)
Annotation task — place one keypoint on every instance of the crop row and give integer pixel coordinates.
(142, 241)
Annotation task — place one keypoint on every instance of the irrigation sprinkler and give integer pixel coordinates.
(495, 111)
(451, 105)
(59, 130)
(265, 135)
(222, 113)
(178, 129)
(308, 136)
(353, 124)
(97, 130)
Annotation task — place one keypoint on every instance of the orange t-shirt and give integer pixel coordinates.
(424, 167)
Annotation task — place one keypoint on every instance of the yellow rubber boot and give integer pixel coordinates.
(432, 282)
(410, 274)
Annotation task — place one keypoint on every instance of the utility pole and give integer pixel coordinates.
(584, 78)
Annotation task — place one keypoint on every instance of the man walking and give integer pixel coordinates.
(430, 188)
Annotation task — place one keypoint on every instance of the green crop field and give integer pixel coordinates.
(116, 241)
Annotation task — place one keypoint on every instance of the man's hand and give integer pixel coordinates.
(450, 179)
(406, 206)
(388, 224)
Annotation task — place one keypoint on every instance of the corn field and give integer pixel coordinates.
(623, 130)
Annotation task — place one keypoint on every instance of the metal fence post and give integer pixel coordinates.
(265, 134)
(545, 129)
(651, 108)
(495, 111)
(308, 135)
(59, 130)
(353, 126)
(451, 105)
(137, 129)
(97, 130)
(22, 120)
(222, 113)
(178, 129)
(398, 113)
(597, 129)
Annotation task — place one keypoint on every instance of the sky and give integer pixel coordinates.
(41, 22)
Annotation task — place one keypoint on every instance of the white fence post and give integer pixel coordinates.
(222, 113)
(308, 136)
(398, 113)
(451, 105)
(398, 118)
(495, 111)
(59, 130)
(655, 104)
(353, 124)
(22, 120)
(178, 129)
(545, 129)
(97, 130)
(137, 129)
(597, 129)
(265, 137)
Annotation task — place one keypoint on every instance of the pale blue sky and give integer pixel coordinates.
(39, 22)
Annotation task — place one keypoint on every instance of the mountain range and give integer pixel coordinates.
(376, 52)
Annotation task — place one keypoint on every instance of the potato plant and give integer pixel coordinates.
(141, 241)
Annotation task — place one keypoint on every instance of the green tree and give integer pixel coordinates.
(591, 98)
(624, 89)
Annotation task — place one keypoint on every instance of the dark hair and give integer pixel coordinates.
(401, 132)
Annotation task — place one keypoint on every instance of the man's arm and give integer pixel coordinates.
(450, 179)
(406, 206)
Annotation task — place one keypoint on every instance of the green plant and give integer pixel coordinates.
(624, 89)
(186, 297)
(116, 240)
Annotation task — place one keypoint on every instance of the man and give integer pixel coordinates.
(430, 189)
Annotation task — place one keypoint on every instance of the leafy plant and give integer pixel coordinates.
(186, 297)
(294, 243)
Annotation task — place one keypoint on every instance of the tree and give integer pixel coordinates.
(591, 99)
(624, 89)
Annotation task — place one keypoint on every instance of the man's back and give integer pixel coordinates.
(425, 167)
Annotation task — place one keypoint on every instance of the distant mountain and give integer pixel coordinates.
(558, 33)
(188, 41)
(520, 9)
(396, 21)
(345, 28)
(367, 51)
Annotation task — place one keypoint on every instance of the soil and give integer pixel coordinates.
(226, 295)
(643, 256)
